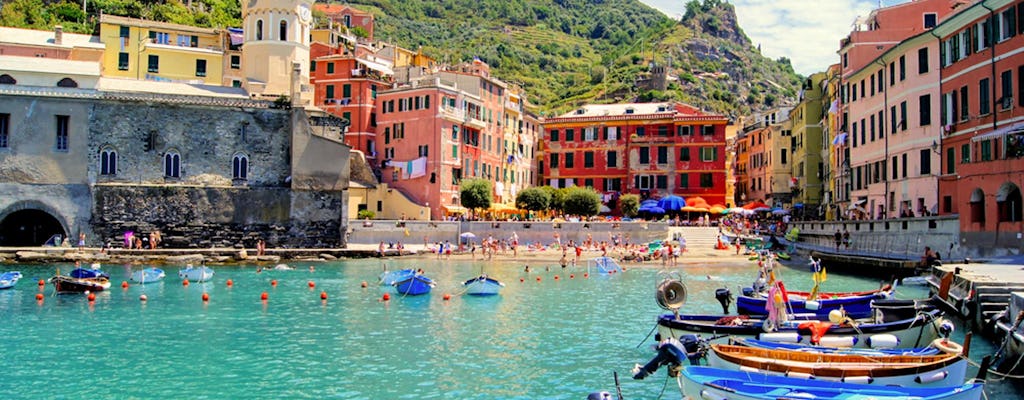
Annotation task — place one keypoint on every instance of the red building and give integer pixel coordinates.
(650, 149)
(982, 111)
(349, 17)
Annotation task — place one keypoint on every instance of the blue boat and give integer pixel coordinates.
(856, 306)
(874, 349)
(92, 272)
(9, 279)
(482, 285)
(389, 278)
(147, 275)
(414, 285)
(605, 265)
(714, 383)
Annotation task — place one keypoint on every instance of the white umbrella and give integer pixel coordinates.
(468, 235)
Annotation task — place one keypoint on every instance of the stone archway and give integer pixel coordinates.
(29, 223)
(1008, 202)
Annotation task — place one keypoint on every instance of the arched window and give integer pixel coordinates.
(172, 164)
(108, 162)
(259, 29)
(240, 167)
(978, 206)
(1008, 201)
(7, 80)
(283, 33)
(67, 82)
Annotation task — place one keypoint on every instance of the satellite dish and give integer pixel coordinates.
(671, 294)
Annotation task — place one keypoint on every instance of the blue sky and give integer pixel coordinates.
(805, 31)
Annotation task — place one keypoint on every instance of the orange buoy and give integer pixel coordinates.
(42, 282)
(312, 284)
(264, 296)
(92, 296)
(230, 283)
(39, 296)
(124, 284)
(586, 275)
(522, 280)
(143, 297)
(323, 295)
(571, 276)
(556, 277)
(447, 297)
(386, 297)
(206, 297)
(273, 283)
(538, 279)
(363, 284)
(184, 282)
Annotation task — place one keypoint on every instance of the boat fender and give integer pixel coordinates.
(932, 377)
(947, 346)
(838, 341)
(706, 395)
(800, 375)
(863, 380)
(787, 337)
(812, 305)
(883, 341)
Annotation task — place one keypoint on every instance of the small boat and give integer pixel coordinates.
(9, 279)
(605, 265)
(482, 285)
(945, 369)
(93, 271)
(872, 351)
(388, 278)
(1010, 327)
(715, 383)
(147, 275)
(782, 255)
(414, 285)
(283, 267)
(855, 305)
(201, 273)
(69, 284)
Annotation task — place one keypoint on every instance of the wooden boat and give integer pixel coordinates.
(201, 273)
(68, 284)
(715, 383)
(945, 369)
(388, 278)
(9, 279)
(913, 326)
(604, 265)
(483, 285)
(147, 275)
(872, 351)
(414, 285)
(855, 304)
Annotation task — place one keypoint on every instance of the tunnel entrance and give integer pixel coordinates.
(30, 228)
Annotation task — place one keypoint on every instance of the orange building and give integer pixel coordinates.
(345, 15)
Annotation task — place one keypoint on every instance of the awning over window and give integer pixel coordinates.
(1000, 132)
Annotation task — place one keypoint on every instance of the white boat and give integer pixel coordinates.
(9, 279)
(604, 265)
(483, 285)
(196, 274)
(283, 267)
(147, 275)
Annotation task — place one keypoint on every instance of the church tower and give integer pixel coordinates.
(275, 53)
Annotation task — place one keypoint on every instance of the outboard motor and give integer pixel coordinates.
(724, 297)
(748, 292)
(672, 352)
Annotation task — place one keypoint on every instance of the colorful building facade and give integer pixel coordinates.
(807, 165)
(160, 51)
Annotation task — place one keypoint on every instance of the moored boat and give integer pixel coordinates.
(69, 284)
(93, 271)
(147, 275)
(414, 285)
(945, 369)
(715, 383)
(872, 351)
(855, 304)
(388, 278)
(482, 285)
(1009, 326)
(201, 273)
(9, 279)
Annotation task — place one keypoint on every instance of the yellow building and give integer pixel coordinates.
(807, 143)
(160, 51)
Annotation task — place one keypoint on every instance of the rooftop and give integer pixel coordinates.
(33, 37)
(144, 23)
(174, 88)
(49, 66)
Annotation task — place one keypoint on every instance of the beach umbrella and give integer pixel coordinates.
(779, 211)
(672, 203)
(754, 205)
(648, 203)
(656, 210)
(468, 235)
(717, 209)
(604, 209)
(762, 209)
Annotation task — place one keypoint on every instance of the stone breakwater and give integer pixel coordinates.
(222, 256)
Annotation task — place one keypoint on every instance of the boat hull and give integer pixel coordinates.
(9, 279)
(389, 278)
(912, 332)
(893, 370)
(855, 306)
(714, 383)
(414, 285)
(483, 286)
(67, 284)
(148, 275)
(910, 351)
(193, 274)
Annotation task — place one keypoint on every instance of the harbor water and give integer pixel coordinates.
(551, 334)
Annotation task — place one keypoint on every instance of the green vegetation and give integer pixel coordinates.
(581, 201)
(629, 204)
(533, 199)
(475, 193)
(366, 214)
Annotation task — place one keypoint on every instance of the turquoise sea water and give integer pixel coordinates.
(552, 339)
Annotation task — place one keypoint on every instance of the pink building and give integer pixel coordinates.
(758, 186)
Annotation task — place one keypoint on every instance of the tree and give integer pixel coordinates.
(475, 193)
(555, 203)
(629, 204)
(533, 199)
(581, 201)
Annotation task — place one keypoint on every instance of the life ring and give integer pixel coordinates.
(947, 346)
(768, 325)
(671, 294)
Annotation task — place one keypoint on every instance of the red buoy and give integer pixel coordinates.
(206, 297)
(311, 284)
(230, 283)
(42, 282)
(39, 296)
(264, 296)
(586, 275)
(386, 297)
(92, 296)
(143, 297)
(184, 282)
(571, 276)
(447, 297)
(556, 277)
(522, 280)
(323, 295)
(363, 284)
(273, 283)
(538, 279)
(124, 284)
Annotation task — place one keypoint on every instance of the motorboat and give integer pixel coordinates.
(855, 304)
(944, 369)
(9, 279)
(716, 383)
(880, 350)
(388, 278)
(94, 271)
(69, 284)
(147, 275)
(414, 285)
(201, 273)
(482, 285)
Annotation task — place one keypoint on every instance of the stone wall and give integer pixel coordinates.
(896, 238)
(203, 217)
(528, 232)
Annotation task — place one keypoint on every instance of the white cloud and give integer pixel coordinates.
(806, 32)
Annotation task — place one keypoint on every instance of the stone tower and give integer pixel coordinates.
(275, 54)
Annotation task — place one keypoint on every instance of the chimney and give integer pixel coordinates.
(58, 34)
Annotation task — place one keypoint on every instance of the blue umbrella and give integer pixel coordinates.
(654, 210)
(648, 203)
(672, 203)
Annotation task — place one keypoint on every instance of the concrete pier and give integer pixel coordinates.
(992, 285)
